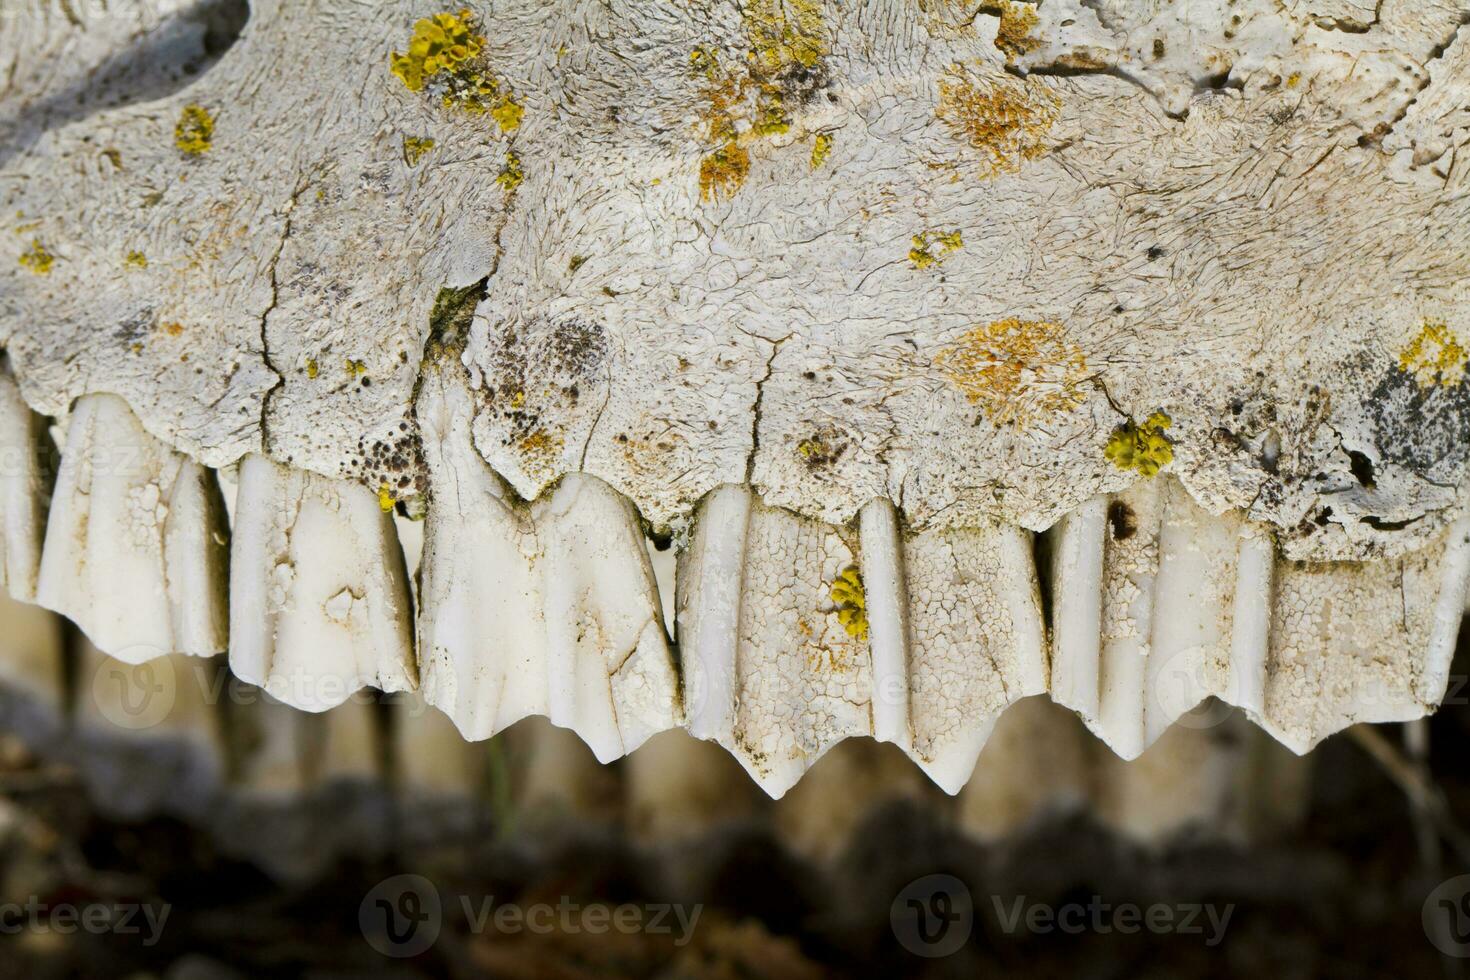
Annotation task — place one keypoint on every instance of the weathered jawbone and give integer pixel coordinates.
(847, 300)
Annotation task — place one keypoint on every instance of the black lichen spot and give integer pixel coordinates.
(1423, 428)
(1123, 521)
(1362, 468)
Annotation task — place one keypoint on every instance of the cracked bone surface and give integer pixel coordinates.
(848, 302)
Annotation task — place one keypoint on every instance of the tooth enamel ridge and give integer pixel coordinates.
(542, 609)
(136, 542)
(1159, 605)
(319, 599)
(25, 490)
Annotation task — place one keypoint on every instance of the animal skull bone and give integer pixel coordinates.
(849, 301)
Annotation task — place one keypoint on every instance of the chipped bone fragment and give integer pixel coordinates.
(848, 302)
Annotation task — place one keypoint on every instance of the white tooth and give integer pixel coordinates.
(1035, 765)
(886, 597)
(481, 632)
(1449, 607)
(821, 816)
(319, 599)
(977, 641)
(610, 674)
(1077, 584)
(1190, 778)
(710, 575)
(150, 734)
(1189, 605)
(1250, 637)
(351, 748)
(32, 675)
(555, 780)
(679, 789)
(135, 545)
(272, 743)
(549, 610)
(1213, 774)
(1361, 642)
(773, 676)
(23, 490)
(432, 760)
(1159, 575)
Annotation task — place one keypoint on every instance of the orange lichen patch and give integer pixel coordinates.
(539, 451)
(932, 247)
(1017, 20)
(172, 328)
(722, 172)
(1005, 120)
(1435, 356)
(753, 99)
(37, 258)
(1016, 369)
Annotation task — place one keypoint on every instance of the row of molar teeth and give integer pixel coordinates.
(552, 608)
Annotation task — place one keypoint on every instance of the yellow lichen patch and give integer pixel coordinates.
(933, 247)
(1014, 34)
(441, 43)
(511, 176)
(38, 258)
(446, 57)
(386, 500)
(821, 149)
(852, 603)
(137, 260)
(1143, 448)
(415, 148)
(1434, 356)
(1006, 120)
(1016, 369)
(754, 99)
(507, 113)
(312, 368)
(194, 132)
(354, 368)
